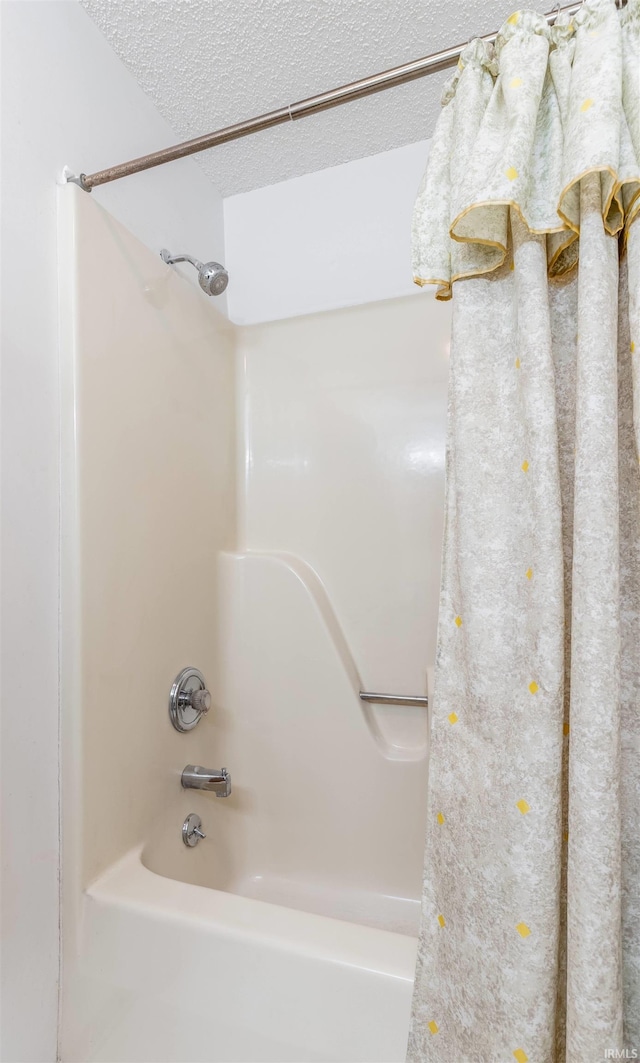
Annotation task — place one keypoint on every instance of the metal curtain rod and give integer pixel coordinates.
(388, 79)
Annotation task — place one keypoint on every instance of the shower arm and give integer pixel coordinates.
(171, 259)
(355, 90)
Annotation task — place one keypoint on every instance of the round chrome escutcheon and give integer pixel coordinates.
(192, 830)
(189, 699)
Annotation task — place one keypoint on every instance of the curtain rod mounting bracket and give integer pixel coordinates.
(79, 179)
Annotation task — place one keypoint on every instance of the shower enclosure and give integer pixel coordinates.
(265, 504)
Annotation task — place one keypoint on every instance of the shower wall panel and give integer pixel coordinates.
(342, 466)
(149, 501)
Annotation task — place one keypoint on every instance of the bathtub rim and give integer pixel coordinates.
(129, 884)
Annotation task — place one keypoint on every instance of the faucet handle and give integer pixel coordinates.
(200, 700)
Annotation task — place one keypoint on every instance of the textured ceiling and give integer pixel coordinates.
(209, 63)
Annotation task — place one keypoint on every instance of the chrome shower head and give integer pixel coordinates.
(212, 276)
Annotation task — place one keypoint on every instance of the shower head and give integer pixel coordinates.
(212, 277)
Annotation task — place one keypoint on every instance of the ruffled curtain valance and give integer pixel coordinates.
(522, 123)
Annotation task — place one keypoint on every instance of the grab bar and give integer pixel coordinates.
(393, 699)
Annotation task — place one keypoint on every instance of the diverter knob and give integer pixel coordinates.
(200, 700)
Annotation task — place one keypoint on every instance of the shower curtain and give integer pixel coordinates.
(530, 937)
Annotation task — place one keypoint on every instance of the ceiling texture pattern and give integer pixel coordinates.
(210, 63)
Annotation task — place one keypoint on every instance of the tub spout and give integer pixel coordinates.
(196, 778)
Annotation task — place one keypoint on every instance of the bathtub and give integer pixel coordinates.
(171, 971)
(290, 932)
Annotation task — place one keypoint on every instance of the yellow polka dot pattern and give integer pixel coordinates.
(511, 173)
(523, 806)
(586, 104)
(525, 466)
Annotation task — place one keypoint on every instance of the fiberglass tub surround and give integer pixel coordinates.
(253, 502)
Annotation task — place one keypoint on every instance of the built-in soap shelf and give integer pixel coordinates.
(399, 725)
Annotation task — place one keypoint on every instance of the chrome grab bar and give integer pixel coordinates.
(393, 699)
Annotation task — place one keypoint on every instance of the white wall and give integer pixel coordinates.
(66, 100)
(334, 238)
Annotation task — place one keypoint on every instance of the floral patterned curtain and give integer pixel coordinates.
(530, 938)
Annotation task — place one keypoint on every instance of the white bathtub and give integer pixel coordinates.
(170, 971)
(289, 932)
